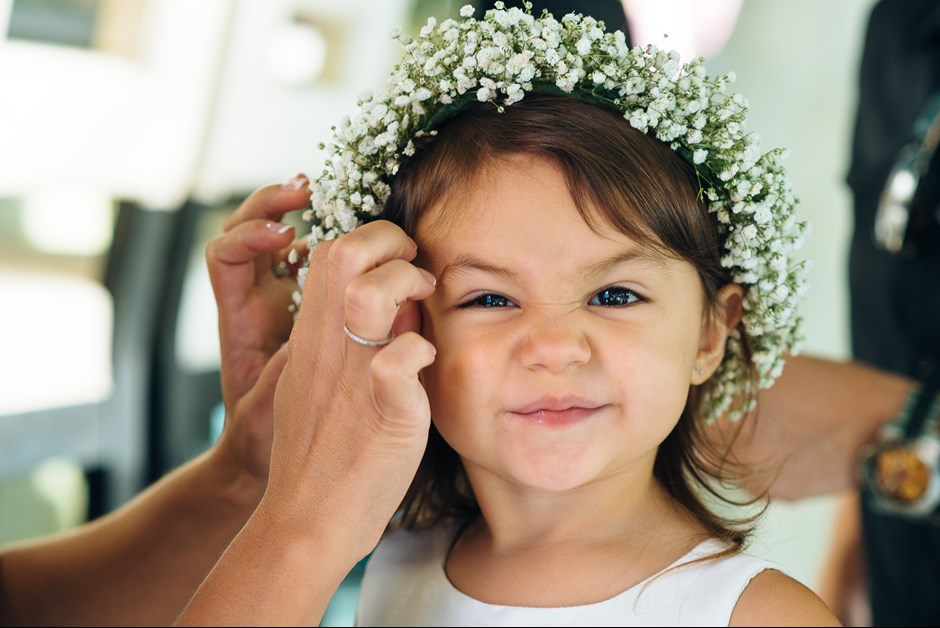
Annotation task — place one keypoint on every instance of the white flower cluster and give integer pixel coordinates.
(510, 52)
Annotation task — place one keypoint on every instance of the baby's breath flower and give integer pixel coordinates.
(508, 53)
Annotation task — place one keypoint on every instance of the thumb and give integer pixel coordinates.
(267, 382)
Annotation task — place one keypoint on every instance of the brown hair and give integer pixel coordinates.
(616, 175)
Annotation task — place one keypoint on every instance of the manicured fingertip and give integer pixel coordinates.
(297, 182)
(278, 227)
(430, 278)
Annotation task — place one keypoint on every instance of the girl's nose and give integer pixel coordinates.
(554, 344)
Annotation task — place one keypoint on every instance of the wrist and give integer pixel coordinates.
(899, 470)
(886, 398)
(236, 485)
(312, 512)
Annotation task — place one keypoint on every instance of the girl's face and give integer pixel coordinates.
(564, 354)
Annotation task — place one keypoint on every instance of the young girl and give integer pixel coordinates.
(610, 261)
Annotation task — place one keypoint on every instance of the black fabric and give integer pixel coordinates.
(895, 299)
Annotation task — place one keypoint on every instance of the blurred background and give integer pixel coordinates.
(130, 128)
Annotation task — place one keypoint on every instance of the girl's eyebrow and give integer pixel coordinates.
(467, 262)
(635, 255)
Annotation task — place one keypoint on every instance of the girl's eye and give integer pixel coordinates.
(615, 296)
(488, 300)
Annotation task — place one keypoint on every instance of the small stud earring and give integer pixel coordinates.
(698, 369)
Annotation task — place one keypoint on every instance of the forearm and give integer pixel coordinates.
(273, 574)
(812, 422)
(138, 565)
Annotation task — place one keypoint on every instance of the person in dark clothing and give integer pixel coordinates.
(895, 285)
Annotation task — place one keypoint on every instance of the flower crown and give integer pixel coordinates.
(510, 52)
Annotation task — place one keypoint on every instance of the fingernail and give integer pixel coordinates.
(278, 227)
(431, 278)
(295, 183)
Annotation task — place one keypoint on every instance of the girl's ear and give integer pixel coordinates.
(715, 329)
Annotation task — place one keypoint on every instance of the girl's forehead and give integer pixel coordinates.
(517, 187)
(501, 243)
(514, 191)
(523, 201)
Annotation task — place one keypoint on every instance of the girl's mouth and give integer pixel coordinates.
(558, 411)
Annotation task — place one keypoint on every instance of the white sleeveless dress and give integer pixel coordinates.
(405, 585)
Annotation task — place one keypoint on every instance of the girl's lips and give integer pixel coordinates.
(558, 417)
(558, 411)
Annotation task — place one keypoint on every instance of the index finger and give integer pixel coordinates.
(272, 201)
(367, 247)
(334, 264)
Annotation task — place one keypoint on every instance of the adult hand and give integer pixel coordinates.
(254, 318)
(351, 424)
(349, 415)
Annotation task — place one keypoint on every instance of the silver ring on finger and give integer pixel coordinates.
(365, 342)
